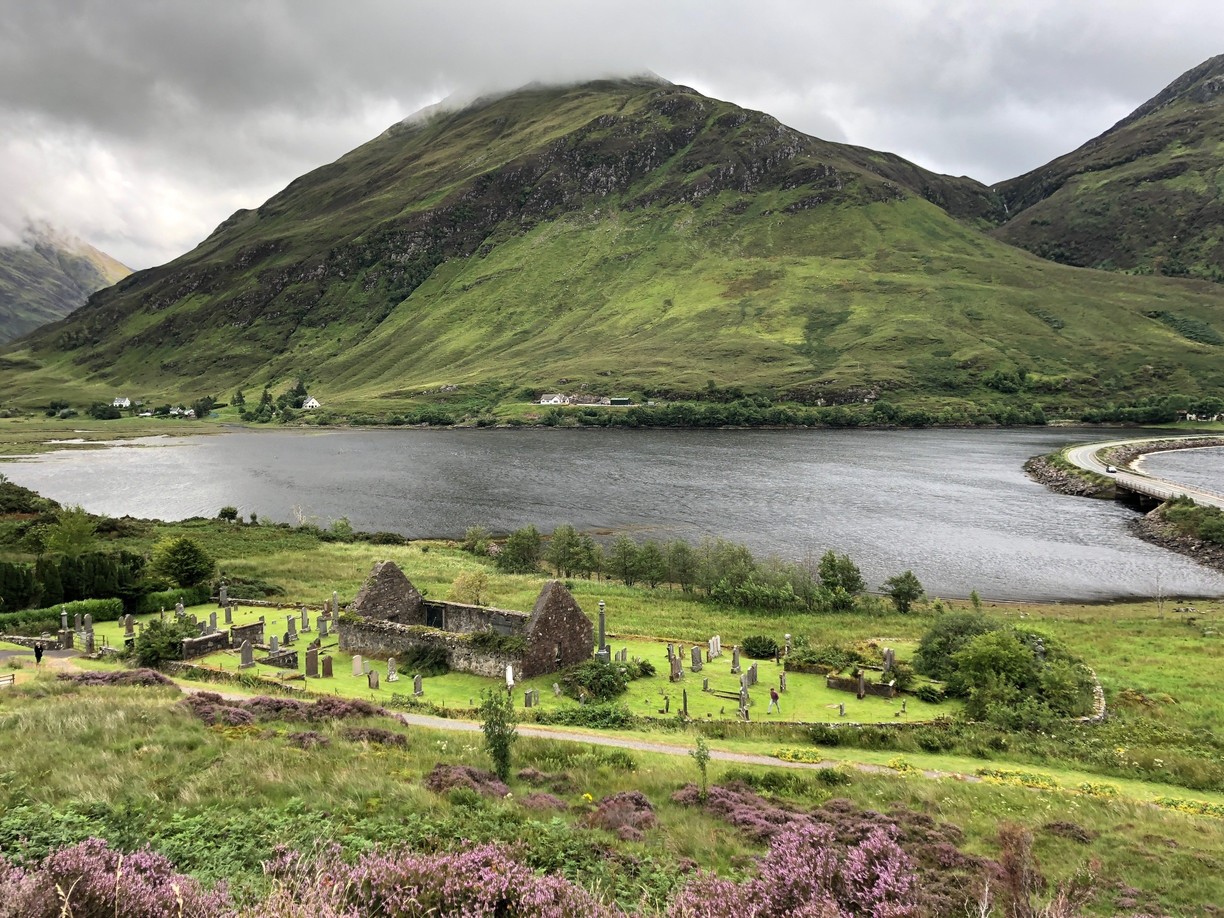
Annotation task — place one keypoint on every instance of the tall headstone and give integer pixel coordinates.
(781, 682)
(418, 688)
(273, 644)
(312, 663)
(735, 660)
(671, 651)
(889, 660)
(357, 667)
(128, 625)
(556, 689)
(88, 625)
(322, 622)
(178, 608)
(788, 643)
(677, 669)
(372, 678)
(862, 684)
(229, 614)
(509, 676)
(335, 604)
(696, 659)
(76, 622)
(327, 666)
(223, 594)
(212, 622)
(247, 659)
(63, 618)
(752, 678)
(305, 620)
(392, 672)
(528, 698)
(602, 643)
(684, 695)
(367, 667)
(291, 626)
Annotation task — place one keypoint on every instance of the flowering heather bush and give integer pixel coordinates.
(742, 807)
(539, 800)
(474, 881)
(267, 707)
(145, 677)
(92, 880)
(375, 735)
(806, 873)
(330, 707)
(561, 782)
(308, 739)
(625, 814)
(208, 707)
(445, 778)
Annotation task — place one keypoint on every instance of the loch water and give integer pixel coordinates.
(952, 505)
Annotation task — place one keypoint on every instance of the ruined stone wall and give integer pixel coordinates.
(371, 637)
(460, 617)
(205, 644)
(850, 684)
(558, 634)
(387, 594)
(254, 632)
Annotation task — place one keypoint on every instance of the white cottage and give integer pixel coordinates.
(311, 402)
(553, 398)
(121, 402)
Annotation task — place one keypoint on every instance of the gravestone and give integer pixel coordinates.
(128, 625)
(291, 623)
(372, 678)
(392, 672)
(312, 664)
(305, 620)
(203, 628)
(76, 623)
(223, 594)
(735, 660)
(781, 682)
(89, 642)
(367, 667)
(322, 627)
(212, 622)
(88, 622)
(696, 659)
(535, 695)
(787, 638)
(509, 676)
(705, 685)
(841, 709)
(556, 690)
(273, 644)
(677, 670)
(667, 704)
(684, 695)
(178, 608)
(247, 658)
(335, 604)
(527, 698)
(288, 638)
(229, 614)
(357, 669)
(65, 639)
(327, 667)
(903, 703)
(752, 674)
(417, 687)
(890, 660)
(63, 618)
(862, 684)
(671, 651)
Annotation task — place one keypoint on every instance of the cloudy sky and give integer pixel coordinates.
(141, 124)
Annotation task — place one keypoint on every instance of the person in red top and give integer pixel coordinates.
(773, 702)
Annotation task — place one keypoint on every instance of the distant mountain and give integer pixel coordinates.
(47, 276)
(623, 237)
(1147, 196)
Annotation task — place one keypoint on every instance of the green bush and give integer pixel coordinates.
(759, 646)
(492, 642)
(594, 681)
(102, 610)
(929, 693)
(597, 716)
(161, 641)
(165, 599)
(425, 661)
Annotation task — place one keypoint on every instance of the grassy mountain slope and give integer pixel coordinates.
(623, 236)
(47, 277)
(1146, 197)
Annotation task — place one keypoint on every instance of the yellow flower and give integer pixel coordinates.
(587, 797)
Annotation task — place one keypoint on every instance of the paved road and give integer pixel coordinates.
(1085, 457)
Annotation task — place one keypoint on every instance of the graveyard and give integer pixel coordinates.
(711, 693)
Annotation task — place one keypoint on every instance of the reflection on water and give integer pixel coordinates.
(952, 505)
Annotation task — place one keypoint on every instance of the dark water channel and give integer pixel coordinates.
(952, 505)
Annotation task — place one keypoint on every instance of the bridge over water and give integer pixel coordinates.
(1145, 489)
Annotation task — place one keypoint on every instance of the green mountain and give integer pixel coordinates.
(625, 238)
(1146, 197)
(47, 276)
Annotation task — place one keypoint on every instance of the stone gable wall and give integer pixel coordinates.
(559, 634)
(389, 595)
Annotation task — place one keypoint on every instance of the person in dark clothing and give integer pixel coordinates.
(38, 652)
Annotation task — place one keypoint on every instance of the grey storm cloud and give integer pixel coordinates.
(141, 124)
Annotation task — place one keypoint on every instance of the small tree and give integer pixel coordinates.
(229, 514)
(476, 540)
(160, 641)
(563, 552)
(701, 755)
(470, 587)
(497, 723)
(73, 533)
(623, 560)
(904, 590)
(521, 553)
(839, 572)
(183, 561)
(652, 565)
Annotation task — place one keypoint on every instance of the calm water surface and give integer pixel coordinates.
(1201, 468)
(952, 505)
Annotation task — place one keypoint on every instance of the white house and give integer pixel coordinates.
(553, 398)
(311, 402)
(121, 402)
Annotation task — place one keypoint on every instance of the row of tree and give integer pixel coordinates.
(715, 569)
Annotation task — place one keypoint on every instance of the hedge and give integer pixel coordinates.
(48, 619)
(166, 599)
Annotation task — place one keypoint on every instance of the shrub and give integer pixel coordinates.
(929, 693)
(447, 778)
(161, 641)
(166, 599)
(492, 642)
(598, 716)
(593, 680)
(375, 735)
(759, 646)
(625, 814)
(497, 724)
(183, 561)
(145, 677)
(425, 660)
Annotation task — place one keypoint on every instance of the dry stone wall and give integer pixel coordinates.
(371, 637)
